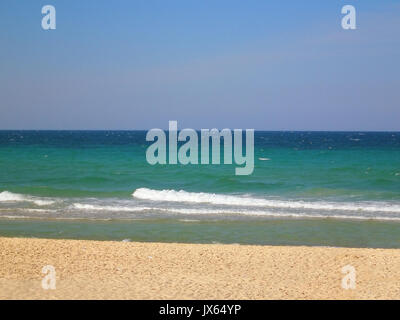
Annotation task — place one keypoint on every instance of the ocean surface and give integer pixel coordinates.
(315, 188)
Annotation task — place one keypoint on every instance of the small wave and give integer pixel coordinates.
(271, 214)
(7, 196)
(37, 210)
(118, 208)
(219, 199)
(15, 217)
(264, 159)
(92, 207)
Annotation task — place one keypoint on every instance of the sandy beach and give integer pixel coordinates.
(128, 270)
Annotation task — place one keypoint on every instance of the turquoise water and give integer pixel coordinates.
(369, 234)
(329, 180)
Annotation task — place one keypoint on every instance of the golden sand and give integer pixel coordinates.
(127, 270)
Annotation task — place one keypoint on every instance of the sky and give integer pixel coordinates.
(264, 65)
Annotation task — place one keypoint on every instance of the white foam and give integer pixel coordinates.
(231, 200)
(15, 217)
(271, 214)
(91, 207)
(189, 220)
(7, 196)
(38, 210)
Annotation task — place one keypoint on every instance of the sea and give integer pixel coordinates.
(307, 188)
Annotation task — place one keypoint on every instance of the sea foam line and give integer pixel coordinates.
(81, 206)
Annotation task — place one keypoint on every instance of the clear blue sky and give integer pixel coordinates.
(272, 65)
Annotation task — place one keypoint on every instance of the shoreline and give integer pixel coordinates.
(326, 233)
(87, 269)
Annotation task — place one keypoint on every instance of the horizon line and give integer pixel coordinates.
(255, 130)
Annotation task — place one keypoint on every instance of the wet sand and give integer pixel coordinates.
(128, 270)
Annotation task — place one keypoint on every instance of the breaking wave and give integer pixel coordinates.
(232, 200)
(7, 196)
